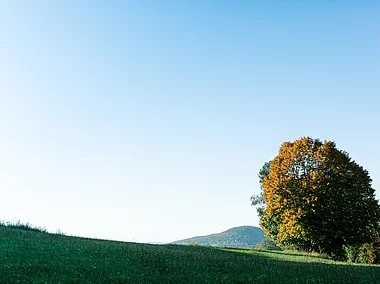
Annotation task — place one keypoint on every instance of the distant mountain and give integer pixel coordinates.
(240, 237)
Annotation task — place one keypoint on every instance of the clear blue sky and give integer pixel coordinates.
(149, 120)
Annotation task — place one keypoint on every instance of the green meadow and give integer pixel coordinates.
(30, 256)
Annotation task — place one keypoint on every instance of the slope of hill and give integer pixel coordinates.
(28, 256)
(238, 237)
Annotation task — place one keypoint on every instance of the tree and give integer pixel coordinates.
(315, 198)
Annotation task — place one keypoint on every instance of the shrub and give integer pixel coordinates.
(351, 253)
(366, 253)
(267, 245)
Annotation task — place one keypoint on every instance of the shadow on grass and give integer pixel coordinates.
(260, 266)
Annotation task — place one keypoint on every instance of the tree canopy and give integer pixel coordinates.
(315, 198)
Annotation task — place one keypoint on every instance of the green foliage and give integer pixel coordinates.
(366, 253)
(239, 237)
(352, 252)
(267, 245)
(315, 198)
(258, 199)
(264, 172)
(34, 257)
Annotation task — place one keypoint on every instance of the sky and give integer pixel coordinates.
(148, 121)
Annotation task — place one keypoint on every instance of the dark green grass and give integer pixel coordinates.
(24, 226)
(28, 256)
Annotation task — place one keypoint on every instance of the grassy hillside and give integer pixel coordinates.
(34, 257)
(240, 237)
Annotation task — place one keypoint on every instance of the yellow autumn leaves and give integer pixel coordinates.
(312, 193)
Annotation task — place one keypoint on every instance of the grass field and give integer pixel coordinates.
(36, 257)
